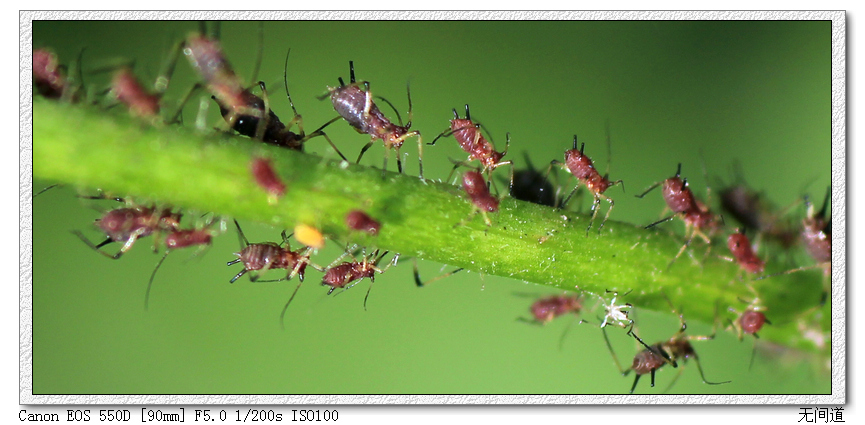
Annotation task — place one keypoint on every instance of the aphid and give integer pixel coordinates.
(266, 177)
(546, 309)
(482, 201)
(468, 134)
(48, 78)
(681, 201)
(129, 91)
(677, 348)
(816, 235)
(755, 212)
(264, 256)
(176, 239)
(360, 221)
(743, 253)
(530, 185)
(356, 106)
(750, 322)
(581, 167)
(126, 225)
(245, 112)
(348, 274)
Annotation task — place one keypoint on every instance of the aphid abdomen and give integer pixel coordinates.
(647, 360)
(259, 255)
(122, 223)
(677, 195)
(752, 321)
(185, 238)
(350, 102)
(339, 276)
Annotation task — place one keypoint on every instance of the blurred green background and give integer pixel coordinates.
(753, 92)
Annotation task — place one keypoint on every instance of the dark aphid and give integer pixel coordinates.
(581, 167)
(531, 185)
(126, 225)
(677, 348)
(266, 177)
(355, 105)
(479, 194)
(360, 221)
(348, 274)
(468, 135)
(756, 213)
(743, 252)
(698, 219)
(48, 77)
(245, 112)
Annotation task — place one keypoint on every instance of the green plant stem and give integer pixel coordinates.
(188, 169)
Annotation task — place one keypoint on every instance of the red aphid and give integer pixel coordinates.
(752, 321)
(468, 135)
(546, 309)
(266, 177)
(581, 167)
(744, 254)
(129, 91)
(48, 79)
(698, 219)
(360, 221)
(348, 274)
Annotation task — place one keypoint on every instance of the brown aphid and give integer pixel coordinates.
(48, 78)
(126, 225)
(264, 256)
(355, 105)
(266, 177)
(479, 194)
(677, 348)
(581, 167)
(350, 273)
(360, 221)
(743, 252)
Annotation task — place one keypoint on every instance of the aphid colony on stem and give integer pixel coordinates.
(250, 115)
